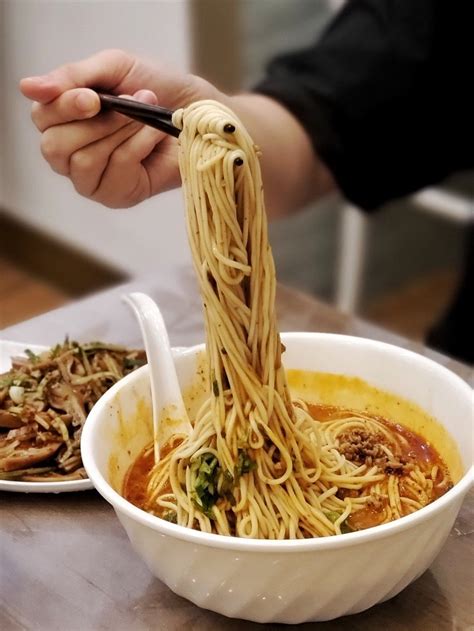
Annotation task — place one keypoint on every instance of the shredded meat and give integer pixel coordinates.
(25, 458)
(44, 401)
(9, 420)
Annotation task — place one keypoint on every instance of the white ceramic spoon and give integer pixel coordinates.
(169, 412)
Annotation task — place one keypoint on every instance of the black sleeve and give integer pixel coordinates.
(385, 95)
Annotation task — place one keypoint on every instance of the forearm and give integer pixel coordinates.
(368, 94)
(293, 174)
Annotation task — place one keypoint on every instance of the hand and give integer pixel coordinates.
(108, 157)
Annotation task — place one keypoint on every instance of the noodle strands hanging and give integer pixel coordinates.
(256, 464)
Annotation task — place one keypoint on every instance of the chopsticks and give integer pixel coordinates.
(152, 115)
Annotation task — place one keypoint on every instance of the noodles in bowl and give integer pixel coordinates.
(405, 473)
(258, 464)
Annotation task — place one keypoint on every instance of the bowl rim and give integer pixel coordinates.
(123, 506)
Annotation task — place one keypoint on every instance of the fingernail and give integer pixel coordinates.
(85, 101)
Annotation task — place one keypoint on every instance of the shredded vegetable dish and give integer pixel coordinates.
(44, 402)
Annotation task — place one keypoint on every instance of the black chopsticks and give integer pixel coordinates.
(152, 115)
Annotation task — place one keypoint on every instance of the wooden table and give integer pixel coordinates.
(66, 563)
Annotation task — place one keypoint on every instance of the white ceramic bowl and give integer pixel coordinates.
(286, 581)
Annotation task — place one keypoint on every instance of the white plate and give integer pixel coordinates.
(8, 350)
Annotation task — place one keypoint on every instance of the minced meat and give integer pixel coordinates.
(362, 447)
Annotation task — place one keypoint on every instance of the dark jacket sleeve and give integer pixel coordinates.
(385, 95)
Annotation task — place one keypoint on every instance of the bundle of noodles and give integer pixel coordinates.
(256, 464)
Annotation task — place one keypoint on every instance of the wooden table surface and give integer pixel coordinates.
(66, 563)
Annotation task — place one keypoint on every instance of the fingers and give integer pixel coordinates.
(88, 164)
(59, 142)
(106, 70)
(162, 166)
(75, 104)
(61, 138)
(41, 89)
(125, 166)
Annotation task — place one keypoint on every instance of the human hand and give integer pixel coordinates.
(110, 158)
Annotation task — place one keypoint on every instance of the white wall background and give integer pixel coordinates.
(38, 35)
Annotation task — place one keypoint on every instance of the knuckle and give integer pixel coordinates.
(36, 113)
(53, 153)
(83, 161)
(117, 58)
(117, 53)
(49, 146)
(115, 204)
(112, 194)
(107, 201)
(119, 61)
(134, 195)
(84, 188)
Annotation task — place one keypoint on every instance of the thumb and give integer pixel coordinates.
(105, 70)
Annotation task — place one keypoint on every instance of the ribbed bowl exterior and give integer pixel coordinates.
(291, 587)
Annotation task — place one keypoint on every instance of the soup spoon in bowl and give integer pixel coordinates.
(170, 417)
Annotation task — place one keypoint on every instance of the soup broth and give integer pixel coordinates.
(414, 473)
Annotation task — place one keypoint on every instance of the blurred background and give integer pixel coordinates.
(399, 268)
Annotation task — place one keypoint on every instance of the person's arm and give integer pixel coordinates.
(380, 104)
(385, 95)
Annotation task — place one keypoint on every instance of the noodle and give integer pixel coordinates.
(256, 464)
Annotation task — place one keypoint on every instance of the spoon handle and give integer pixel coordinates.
(169, 412)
